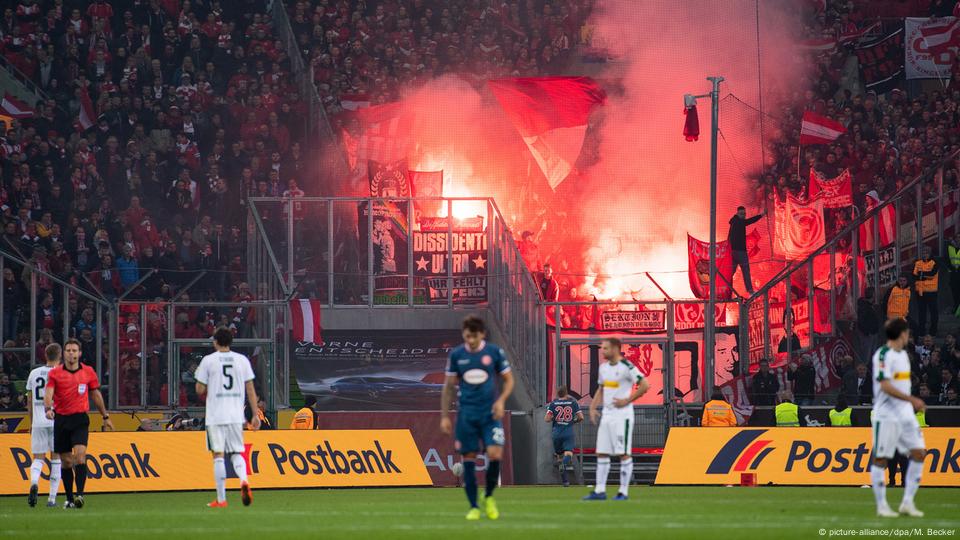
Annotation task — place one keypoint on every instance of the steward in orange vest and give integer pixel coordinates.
(717, 412)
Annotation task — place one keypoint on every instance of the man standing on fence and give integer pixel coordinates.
(927, 273)
(737, 237)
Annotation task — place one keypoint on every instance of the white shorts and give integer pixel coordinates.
(225, 438)
(891, 435)
(41, 440)
(615, 436)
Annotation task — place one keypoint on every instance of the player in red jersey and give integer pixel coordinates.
(67, 400)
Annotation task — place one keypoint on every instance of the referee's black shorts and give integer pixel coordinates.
(70, 430)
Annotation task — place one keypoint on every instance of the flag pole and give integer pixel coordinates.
(709, 317)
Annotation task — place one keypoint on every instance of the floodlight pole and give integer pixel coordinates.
(709, 313)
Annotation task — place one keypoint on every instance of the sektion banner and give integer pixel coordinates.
(174, 461)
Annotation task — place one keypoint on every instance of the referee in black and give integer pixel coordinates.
(67, 401)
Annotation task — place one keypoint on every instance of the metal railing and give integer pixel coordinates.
(364, 253)
(25, 81)
(38, 307)
(816, 298)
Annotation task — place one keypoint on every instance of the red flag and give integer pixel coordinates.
(427, 184)
(551, 114)
(816, 129)
(886, 220)
(87, 117)
(384, 136)
(699, 268)
(799, 227)
(305, 316)
(836, 192)
(691, 124)
(13, 107)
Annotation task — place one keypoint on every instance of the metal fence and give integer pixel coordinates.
(355, 253)
(143, 351)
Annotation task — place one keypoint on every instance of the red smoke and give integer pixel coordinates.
(640, 187)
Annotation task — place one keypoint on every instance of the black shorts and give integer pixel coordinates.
(70, 430)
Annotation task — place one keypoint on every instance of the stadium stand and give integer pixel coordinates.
(163, 116)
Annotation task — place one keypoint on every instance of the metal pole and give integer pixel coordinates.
(330, 252)
(941, 252)
(708, 317)
(290, 261)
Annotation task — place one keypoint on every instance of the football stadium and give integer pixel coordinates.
(479, 268)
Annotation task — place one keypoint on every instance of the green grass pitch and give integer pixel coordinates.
(526, 513)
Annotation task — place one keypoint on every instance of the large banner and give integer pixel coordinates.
(930, 46)
(375, 369)
(881, 62)
(699, 268)
(174, 461)
(582, 358)
(800, 228)
(833, 456)
(836, 192)
(825, 357)
(436, 449)
(390, 234)
(468, 248)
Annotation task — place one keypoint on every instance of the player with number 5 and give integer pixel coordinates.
(227, 378)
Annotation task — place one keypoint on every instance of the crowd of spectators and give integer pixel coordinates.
(194, 110)
(374, 49)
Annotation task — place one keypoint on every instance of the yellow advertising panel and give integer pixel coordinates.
(20, 423)
(793, 456)
(170, 461)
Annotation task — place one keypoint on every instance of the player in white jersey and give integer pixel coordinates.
(895, 426)
(41, 428)
(227, 379)
(615, 389)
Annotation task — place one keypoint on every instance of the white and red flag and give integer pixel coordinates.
(15, 108)
(817, 129)
(305, 316)
(886, 220)
(87, 117)
(551, 114)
